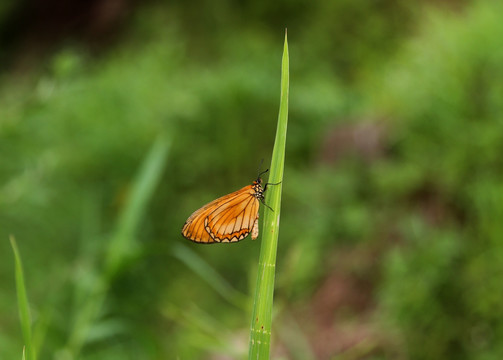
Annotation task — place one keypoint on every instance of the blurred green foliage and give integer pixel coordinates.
(392, 202)
(444, 95)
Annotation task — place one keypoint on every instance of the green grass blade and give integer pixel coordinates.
(22, 300)
(260, 332)
(192, 260)
(122, 244)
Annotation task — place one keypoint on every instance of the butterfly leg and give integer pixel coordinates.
(263, 202)
(265, 186)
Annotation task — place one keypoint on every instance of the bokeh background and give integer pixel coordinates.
(119, 118)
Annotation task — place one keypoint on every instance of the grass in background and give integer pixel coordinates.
(208, 273)
(24, 308)
(122, 246)
(91, 294)
(261, 325)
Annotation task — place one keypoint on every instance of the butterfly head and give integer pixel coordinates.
(259, 190)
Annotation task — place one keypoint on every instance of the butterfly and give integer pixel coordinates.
(230, 218)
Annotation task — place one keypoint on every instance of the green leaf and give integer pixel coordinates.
(261, 325)
(210, 275)
(122, 245)
(22, 301)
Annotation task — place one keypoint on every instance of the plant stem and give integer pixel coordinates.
(260, 332)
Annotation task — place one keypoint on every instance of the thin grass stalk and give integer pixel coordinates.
(261, 324)
(122, 245)
(197, 264)
(22, 301)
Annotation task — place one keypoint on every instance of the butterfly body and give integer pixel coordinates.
(230, 218)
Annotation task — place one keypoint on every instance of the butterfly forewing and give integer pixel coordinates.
(227, 219)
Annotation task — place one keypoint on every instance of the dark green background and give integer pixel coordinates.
(392, 218)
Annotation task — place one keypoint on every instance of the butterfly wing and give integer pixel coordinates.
(227, 219)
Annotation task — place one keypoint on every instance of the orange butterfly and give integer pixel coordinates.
(229, 218)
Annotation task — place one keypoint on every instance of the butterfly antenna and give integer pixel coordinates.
(262, 173)
(260, 165)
